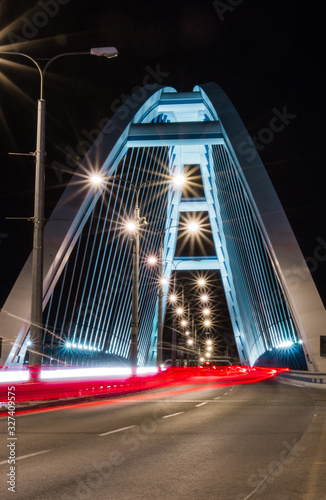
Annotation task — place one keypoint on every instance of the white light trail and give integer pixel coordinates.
(14, 376)
(85, 373)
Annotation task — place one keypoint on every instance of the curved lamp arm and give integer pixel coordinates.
(108, 52)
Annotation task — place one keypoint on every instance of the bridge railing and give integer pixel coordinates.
(303, 378)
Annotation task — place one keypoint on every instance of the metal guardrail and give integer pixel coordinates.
(303, 378)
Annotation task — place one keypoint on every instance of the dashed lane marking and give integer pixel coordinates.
(173, 414)
(117, 430)
(26, 456)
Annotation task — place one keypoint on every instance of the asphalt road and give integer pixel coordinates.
(259, 441)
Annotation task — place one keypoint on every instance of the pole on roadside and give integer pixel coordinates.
(135, 291)
(160, 311)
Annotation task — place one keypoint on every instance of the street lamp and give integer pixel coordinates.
(35, 355)
(133, 226)
(152, 260)
(178, 181)
(209, 348)
(193, 227)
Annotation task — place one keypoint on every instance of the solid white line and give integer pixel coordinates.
(173, 414)
(26, 456)
(164, 401)
(201, 404)
(117, 430)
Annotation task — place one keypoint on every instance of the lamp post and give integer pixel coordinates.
(134, 227)
(160, 311)
(174, 333)
(135, 290)
(135, 276)
(35, 358)
(135, 282)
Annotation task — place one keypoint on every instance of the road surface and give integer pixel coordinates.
(201, 441)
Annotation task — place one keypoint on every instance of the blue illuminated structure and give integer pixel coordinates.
(88, 256)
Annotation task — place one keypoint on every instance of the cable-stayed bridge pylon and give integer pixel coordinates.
(87, 255)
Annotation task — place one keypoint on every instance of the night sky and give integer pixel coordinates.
(266, 56)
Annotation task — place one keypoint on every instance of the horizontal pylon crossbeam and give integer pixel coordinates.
(173, 134)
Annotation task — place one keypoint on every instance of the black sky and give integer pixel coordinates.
(265, 55)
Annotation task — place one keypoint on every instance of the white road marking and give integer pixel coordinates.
(176, 401)
(26, 456)
(201, 404)
(218, 397)
(173, 414)
(117, 430)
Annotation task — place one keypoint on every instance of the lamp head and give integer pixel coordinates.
(131, 226)
(152, 260)
(96, 179)
(179, 180)
(108, 52)
(193, 227)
